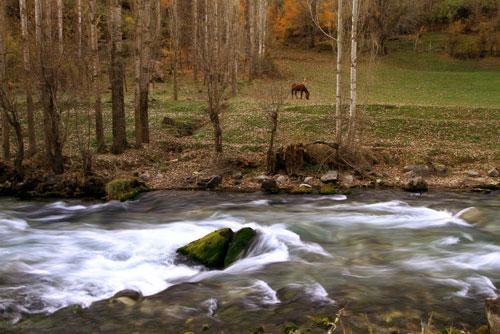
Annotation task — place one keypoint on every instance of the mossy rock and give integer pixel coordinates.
(328, 189)
(301, 190)
(124, 189)
(210, 250)
(240, 243)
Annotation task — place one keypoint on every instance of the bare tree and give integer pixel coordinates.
(340, 54)
(96, 66)
(195, 40)
(351, 135)
(49, 65)
(27, 81)
(272, 105)
(60, 25)
(7, 96)
(3, 82)
(142, 70)
(175, 39)
(216, 63)
(116, 74)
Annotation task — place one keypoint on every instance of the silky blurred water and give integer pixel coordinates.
(371, 252)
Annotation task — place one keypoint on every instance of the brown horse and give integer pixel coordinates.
(296, 88)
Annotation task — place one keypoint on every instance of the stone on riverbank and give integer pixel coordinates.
(124, 189)
(416, 185)
(492, 309)
(240, 243)
(330, 177)
(270, 186)
(210, 250)
(493, 172)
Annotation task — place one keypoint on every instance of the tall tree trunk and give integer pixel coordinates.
(116, 73)
(195, 40)
(48, 91)
(94, 45)
(351, 136)
(80, 33)
(27, 79)
(60, 26)
(312, 26)
(234, 22)
(340, 51)
(3, 82)
(175, 45)
(143, 64)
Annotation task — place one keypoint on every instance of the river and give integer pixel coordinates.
(389, 259)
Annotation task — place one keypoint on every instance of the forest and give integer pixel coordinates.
(142, 102)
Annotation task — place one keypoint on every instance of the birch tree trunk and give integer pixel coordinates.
(351, 135)
(60, 26)
(80, 34)
(3, 82)
(27, 81)
(116, 77)
(340, 51)
(96, 68)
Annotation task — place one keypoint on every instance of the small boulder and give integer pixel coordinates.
(309, 180)
(327, 189)
(347, 180)
(492, 309)
(418, 170)
(330, 177)
(440, 170)
(261, 178)
(493, 172)
(302, 189)
(474, 216)
(270, 186)
(128, 297)
(125, 189)
(210, 250)
(281, 180)
(472, 173)
(416, 185)
(210, 182)
(239, 245)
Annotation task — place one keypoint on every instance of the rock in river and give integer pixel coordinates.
(210, 250)
(219, 249)
(124, 189)
(416, 185)
(240, 243)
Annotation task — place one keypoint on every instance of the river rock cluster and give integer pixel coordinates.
(219, 249)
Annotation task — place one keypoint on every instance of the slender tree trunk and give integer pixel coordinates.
(48, 91)
(175, 45)
(3, 82)
(143, 64)
(117, 77)
(80, 34)
(340, 50)
(27, 79)
(94, 45)
(312, 26)
(235, 8)
(354, 66)
(60, 31)
(195, 40)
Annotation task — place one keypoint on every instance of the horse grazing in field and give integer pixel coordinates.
(299, 88)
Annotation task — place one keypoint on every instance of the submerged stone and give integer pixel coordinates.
(210, 250)
(125, 189)
(239, 245)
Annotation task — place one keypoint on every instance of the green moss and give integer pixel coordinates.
(124, 189)
(290, 328)
(327, 189)
(301, 190)
(209, 250)
(240, 243)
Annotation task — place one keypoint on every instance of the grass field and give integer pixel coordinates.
(414, 106)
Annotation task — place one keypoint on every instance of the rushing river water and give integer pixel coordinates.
(393, 257)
